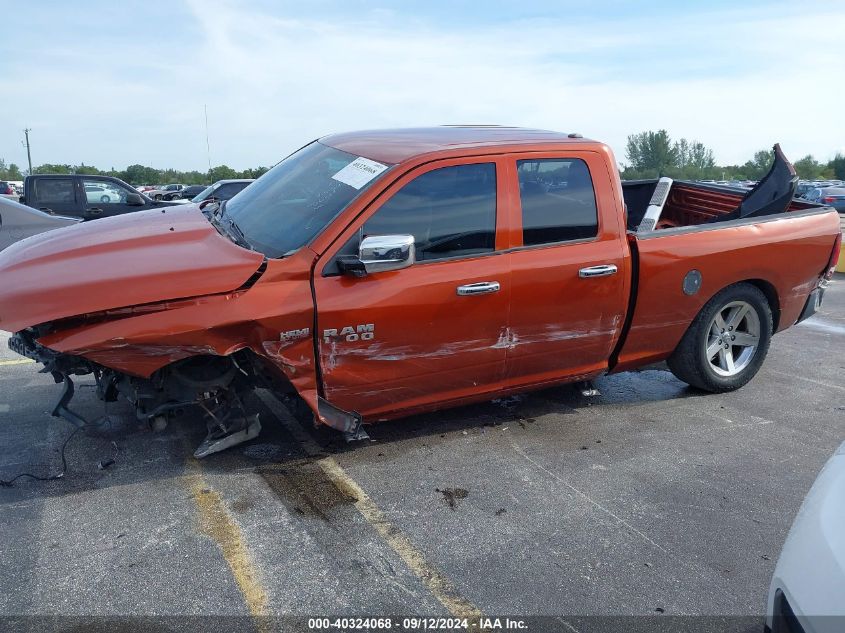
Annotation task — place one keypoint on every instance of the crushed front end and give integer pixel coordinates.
(213, 385)
(164, 310)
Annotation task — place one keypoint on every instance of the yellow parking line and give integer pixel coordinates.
(17, 361)
(439, 586)
(218, 524)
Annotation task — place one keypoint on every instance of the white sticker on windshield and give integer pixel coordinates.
(359, 172)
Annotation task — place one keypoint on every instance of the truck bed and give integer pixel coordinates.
(689, 203)
(722, 253)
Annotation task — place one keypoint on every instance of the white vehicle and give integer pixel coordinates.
(807, 593)
(102, 194)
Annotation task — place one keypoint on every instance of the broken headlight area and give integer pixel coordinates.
(213, 385)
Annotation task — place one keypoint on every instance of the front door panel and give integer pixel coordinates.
(398, 340)
(405, 338)
(104, 198)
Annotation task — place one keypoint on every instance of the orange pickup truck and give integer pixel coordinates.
(372, 275)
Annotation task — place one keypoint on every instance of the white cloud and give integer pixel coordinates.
(734, 80)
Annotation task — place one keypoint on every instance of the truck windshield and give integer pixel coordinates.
(290, 204)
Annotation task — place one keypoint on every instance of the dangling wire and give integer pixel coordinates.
(7, 483)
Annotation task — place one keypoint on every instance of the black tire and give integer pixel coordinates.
(105, 199)
(690, 363)
(157, 196)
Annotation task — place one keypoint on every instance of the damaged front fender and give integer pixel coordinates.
(271, 320)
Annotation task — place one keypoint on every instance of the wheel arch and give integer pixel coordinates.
(768, 289)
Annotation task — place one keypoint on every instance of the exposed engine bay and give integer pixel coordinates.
(214, 385)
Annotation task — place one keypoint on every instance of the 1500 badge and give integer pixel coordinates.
(363, 332)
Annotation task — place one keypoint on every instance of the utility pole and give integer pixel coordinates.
(28, 156)
(207, 146)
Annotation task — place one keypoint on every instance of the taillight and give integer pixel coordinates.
(829, 199)
(834, 256)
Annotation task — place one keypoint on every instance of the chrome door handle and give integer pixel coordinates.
(480, 288)
(598, 271)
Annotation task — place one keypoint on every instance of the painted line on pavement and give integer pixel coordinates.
(438, 585)
(216, 522)
(817, 382)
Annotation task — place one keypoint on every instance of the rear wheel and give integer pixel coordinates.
(727, 342)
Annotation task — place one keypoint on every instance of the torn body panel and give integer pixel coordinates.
(129, 260)
(207, 352)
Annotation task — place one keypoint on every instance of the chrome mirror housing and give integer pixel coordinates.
(379, 253)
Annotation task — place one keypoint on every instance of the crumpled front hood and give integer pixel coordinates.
(137, 258)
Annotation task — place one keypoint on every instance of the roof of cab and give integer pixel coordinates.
(400, 144)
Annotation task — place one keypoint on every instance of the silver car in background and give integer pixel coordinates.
(18, 221)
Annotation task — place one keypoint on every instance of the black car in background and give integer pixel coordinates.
(223, 190)
(86, 197)
(191, 191)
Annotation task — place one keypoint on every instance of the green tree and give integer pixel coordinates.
(759, 166)
(10, 171)
(48, 168)
(141, 175)
(836, 166)
(255, 172)
(808, 168)
(651, 153)
(694, 156)
(221, 172)
(86, 170)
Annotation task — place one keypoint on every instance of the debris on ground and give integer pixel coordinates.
(452, 495)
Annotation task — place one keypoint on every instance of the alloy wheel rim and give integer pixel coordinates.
(732, 338)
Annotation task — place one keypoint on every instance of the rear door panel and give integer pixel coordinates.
(59, 196)
(562, 325)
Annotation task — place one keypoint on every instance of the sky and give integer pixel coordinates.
(117, 83)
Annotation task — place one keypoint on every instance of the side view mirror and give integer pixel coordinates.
(380, 253)
(134, 198)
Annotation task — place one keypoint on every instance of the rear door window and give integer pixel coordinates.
(558, 201)
(54, 191)
(451, 212)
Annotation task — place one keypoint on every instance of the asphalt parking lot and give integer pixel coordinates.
(651, 499)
